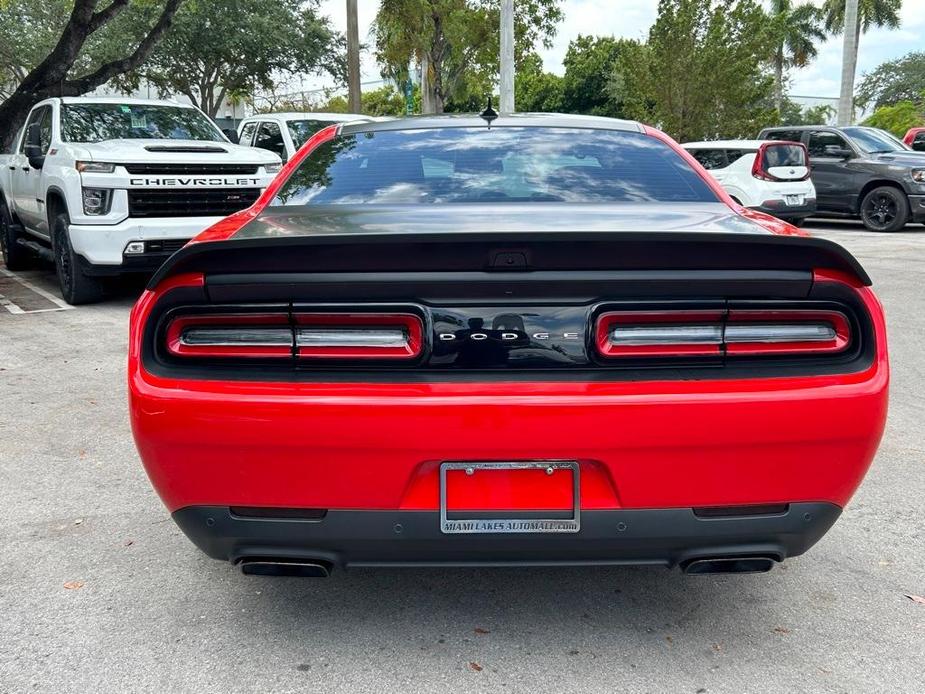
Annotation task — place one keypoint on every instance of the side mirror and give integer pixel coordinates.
(232, 135)
(33, 148)
(838, 152)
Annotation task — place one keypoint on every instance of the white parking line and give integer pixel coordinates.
(13, 308)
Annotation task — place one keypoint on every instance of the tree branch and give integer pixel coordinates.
(106, 72)
(104, 16)
(55, 66)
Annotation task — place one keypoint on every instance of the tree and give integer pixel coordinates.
(220, 48)
(385, 101)
(899, 117)
(877, 13)
(703, 73)
(536, 90)
(590, 63)
(64, 68)
(894, 81)
(456, 43)
(796, 29)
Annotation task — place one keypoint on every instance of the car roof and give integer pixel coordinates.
(309, 115)
(731, 144)
(471, 120)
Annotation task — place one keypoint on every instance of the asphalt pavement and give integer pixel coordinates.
(100, 592)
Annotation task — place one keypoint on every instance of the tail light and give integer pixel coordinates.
(252, 336)
(760, 166)
(358, 335)
(303, 335)
(717, 333)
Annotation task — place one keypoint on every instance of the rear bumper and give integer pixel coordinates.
(666, 537)
(784, 211)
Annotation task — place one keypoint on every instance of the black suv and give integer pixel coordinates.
(862, 172)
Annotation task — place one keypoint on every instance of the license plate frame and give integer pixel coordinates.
(480, 526)
(793, 200)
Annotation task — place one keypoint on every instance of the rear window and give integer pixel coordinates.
(507, 164)
(784, 155)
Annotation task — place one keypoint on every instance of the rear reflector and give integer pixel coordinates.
(358, 335)
(714, 333)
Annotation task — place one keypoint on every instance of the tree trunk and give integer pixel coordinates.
(49, 78)
(779, 81)
(849, 63)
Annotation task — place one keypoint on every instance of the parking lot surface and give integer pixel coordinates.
(100, 592)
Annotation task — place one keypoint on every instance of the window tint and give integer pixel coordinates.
(733, 155)
(818, 141)
(45, 130)
(105, 121)
(247, 134)
(919, 142)
(710, 158)
(783, 155)
(270, 137)
(510, 164)
(36, 116)
(791, 135)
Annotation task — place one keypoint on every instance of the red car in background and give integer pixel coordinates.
(512, 340)
(915, 138)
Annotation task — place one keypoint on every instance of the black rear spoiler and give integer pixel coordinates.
(520, 252)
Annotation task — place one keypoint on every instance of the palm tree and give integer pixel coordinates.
(797, 30)
(871, 13)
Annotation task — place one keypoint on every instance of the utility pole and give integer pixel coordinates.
(507, 56)
(353, 58)
(848, 64)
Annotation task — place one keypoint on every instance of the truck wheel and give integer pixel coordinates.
(15, 257)
(885, 209)
(76, 286)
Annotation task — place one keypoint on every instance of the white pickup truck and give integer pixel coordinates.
(109, 186)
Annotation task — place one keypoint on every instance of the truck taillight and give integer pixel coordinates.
(358, 335)
(731, 333)
(256, 336)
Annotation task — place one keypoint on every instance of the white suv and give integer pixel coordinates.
(768, 175)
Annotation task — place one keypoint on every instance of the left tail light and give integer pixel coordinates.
(254, 336)
(345, 336)
(722, 333)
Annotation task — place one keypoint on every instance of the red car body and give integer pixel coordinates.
(712, 457)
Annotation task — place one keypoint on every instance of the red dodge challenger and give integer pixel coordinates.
(522, 340)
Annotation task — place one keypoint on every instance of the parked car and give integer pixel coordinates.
(766, 175)
(862, 172)
(545, 341)
(110, 186)
(915, 138)
(284, 133)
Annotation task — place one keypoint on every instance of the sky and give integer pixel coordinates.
(632, 19)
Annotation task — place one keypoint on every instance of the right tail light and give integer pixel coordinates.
(745, 332)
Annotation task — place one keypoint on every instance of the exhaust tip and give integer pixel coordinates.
(729, 565)
(285, 567)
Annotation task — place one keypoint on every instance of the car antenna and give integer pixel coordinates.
(489, 114)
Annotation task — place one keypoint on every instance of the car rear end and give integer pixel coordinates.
(495, 384)
(782, 172)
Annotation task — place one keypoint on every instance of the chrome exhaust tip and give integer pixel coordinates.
(285, 567)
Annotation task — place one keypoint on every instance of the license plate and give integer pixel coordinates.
(792, 200)
(510, 497)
